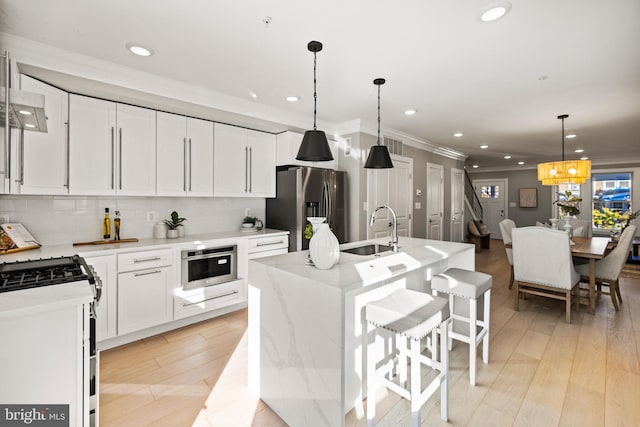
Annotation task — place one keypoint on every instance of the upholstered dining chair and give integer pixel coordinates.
(609, 268)
(506, 225)
(581, 227)
(542, 265)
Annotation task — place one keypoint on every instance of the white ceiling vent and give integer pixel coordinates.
(395, 146)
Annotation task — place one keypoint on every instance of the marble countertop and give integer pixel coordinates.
(355, 271)
(143, 244)
(44, 298)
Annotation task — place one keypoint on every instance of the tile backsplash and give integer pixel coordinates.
(55, 220)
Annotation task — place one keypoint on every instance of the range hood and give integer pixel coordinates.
(26, 110)
(20, 109)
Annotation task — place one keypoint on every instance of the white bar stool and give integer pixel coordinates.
(470, 285)
(409, 315)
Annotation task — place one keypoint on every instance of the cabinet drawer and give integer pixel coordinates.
(147, 259)
(190, 303)
(269, 243)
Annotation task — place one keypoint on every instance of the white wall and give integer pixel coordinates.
(54, 220)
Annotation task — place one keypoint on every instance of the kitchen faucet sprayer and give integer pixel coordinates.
(394, 230)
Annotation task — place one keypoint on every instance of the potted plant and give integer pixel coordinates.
(173, 225)
(249, 221)
(568, 204)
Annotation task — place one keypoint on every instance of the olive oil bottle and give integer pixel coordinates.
(106, 225)
(116, 226)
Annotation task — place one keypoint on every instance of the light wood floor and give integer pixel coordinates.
(541, 372)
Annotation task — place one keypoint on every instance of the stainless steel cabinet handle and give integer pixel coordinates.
(120, 161)
(154, 258)
(186, 304)
(250, 167)
(113, 157)
(190, 164)
(184, 151)
(20, 180)
(66, 137)
(246, 167)
(7, 130)
(269, 243)
(146, 273)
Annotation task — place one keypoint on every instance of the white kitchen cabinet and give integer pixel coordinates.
(106, 310)
(42, 164)
(244, 162)
(145, 289)
(287, 146)
(184, 156)
(264, 246)
(112, 148)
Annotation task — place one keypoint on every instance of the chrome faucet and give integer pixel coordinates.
(394, 230)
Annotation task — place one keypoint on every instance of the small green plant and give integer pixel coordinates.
(175, 221)
(308, 231)
(249, 220)
(568, 203)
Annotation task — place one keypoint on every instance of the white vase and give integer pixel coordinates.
(180, 231)
(172, 234)
(315, 221)
(554, 223)
(324, 248)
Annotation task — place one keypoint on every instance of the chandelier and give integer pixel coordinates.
(564, 171)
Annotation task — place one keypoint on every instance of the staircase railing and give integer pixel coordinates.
(471, 195)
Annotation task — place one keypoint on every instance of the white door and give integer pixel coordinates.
(199, 157)
(457, 205)
(492, 194)
(136, 171)
(171, 162)
(435, 200)
(392, 187)
(261, 164)
(230, 157)
(92, 146)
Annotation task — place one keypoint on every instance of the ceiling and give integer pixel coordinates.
(501, 83)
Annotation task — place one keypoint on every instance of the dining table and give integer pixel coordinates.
(591, 249)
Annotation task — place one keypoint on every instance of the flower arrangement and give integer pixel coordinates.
(609, 218)
(568, 203)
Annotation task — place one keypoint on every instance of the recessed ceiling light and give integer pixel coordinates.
(507, 157)
(29, 125)
(293, 98)
(578, 150)
(475, 166)
(521, 163)
(584, 158)
(495, 11)
(410, 112)
(484, 147)
(458, 134)
(25, 112)
(571, 135)
(136, 49)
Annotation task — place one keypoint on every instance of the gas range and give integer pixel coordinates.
(44, 272)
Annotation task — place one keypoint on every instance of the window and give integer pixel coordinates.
(490, 192)
(611, 198)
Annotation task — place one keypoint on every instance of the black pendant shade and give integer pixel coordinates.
(314, 146)
(378, 157)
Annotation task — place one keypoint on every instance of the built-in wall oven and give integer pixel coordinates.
(210, 266)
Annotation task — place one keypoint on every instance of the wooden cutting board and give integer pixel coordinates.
(106, 242)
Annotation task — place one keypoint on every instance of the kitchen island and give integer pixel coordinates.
(305, 324)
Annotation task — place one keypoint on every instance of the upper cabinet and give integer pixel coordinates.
(112, 148)
(43, 163)
(287, 146)
(184, 156)
(244, 162)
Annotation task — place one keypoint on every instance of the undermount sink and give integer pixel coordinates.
(369, 249)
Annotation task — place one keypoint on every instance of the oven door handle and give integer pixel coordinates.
(216, 255)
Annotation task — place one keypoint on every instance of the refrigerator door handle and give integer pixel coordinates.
(325, 200)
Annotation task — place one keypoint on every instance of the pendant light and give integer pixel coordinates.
(314, 146)
(379, 157)
(565, 171)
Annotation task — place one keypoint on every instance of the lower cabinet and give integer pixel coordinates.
(107, 308)
(145, 296)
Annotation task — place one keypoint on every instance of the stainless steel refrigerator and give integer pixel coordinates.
(302, 192)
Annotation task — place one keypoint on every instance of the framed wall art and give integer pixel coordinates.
(528, 197)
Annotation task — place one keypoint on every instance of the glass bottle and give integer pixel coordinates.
(116, 226)
(106, 225)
